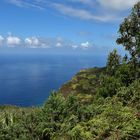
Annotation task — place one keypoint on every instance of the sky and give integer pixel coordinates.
(62, 25)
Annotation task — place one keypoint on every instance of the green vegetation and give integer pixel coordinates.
(97, 104)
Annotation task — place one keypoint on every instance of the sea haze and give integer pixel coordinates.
(28, 79)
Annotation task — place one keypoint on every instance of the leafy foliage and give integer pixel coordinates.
(129, 32)
(113, 62)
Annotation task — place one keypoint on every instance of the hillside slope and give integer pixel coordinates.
(84, 82)
(80, 111)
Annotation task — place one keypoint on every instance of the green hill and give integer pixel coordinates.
(79, 111)
(83, 82)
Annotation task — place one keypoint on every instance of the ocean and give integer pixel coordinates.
(28, 79)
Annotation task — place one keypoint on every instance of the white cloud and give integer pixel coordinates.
(88, 2)
(1, 40)
(117, 4)
(39, 42)
(58, 44)
(32, 41)
(94, 10)
(83, 14)
(13, 40)
(44, 45)
(28, 41)
(85, 45)
(26, 4)
(36, 42)
(74, 46)
(112, 4)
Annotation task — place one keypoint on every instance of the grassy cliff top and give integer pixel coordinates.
(84, 82)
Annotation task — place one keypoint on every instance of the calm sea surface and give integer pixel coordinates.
(27, 80)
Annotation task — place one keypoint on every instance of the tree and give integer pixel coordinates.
(108, 86)
(113, 62)
(130, 34)
(125, 74)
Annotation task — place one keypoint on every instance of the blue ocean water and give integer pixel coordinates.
(27, 80)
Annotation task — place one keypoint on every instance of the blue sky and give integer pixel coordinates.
(65, 25)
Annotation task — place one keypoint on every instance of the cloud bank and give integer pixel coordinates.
(40, 42)
(93, 10)
(32, 41)
(13, 41)
(54, 45)
(118, 5)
